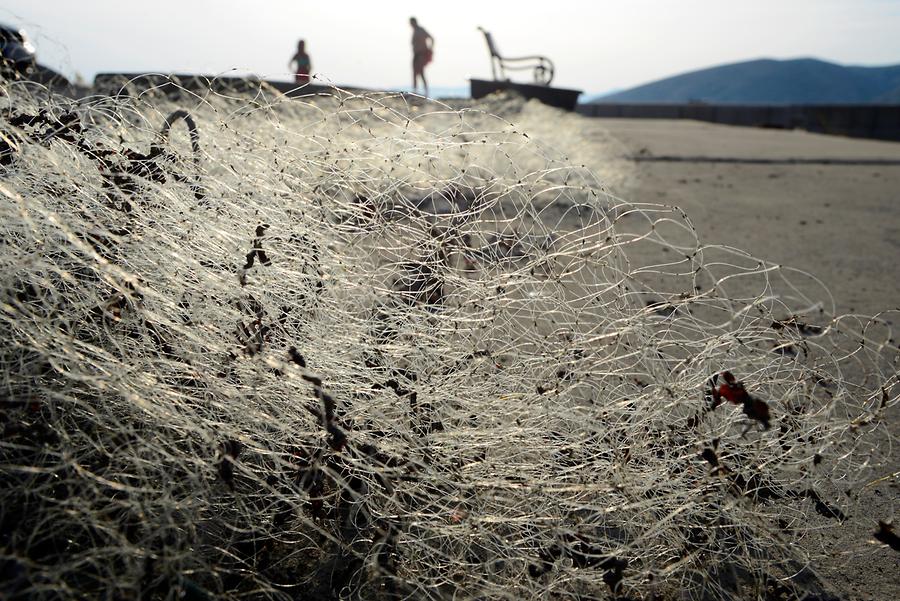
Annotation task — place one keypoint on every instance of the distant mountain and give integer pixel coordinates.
(766, 81)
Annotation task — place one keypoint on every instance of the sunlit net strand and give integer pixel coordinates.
(444, 251)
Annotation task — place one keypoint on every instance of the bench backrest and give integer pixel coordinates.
(490, 42)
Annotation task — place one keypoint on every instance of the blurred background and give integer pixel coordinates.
(599, 46)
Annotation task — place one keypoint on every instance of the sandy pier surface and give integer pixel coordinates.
(824, 204)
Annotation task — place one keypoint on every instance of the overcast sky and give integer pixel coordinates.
(597, 45)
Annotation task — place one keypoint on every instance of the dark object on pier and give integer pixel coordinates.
(542, 71)
(558, 97)
(18, 60)
(16, 52)
(541, 66)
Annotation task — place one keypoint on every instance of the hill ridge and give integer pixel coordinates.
(803, 80)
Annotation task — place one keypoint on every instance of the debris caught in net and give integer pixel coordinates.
(357, 347)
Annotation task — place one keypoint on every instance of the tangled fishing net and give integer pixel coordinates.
(362, 347)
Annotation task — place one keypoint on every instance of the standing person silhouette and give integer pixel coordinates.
(304, 64)
(423, 49)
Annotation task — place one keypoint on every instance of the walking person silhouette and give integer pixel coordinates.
(423, 50)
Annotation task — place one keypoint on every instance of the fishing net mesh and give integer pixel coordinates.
(362, 346)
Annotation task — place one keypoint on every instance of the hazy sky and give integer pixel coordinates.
(597, 45)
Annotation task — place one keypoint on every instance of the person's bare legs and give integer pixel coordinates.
(419, 72)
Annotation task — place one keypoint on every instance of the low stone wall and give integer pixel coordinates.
(177, 84)
(859, 121)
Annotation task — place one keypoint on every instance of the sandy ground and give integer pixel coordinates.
(840, 222)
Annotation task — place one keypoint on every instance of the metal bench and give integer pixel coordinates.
(541, 66)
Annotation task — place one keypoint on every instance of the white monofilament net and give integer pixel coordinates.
(349, 347)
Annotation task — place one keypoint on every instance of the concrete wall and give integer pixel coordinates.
(859, 121)
(179, 84)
